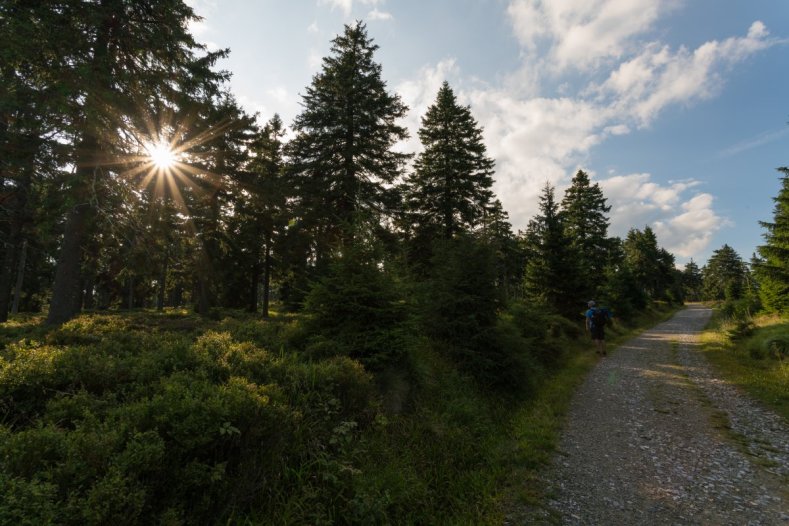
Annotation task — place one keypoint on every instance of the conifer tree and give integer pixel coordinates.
(642, 256)
(692, 281)
(342, 163)
(449, 191)
(552, 274)
(261, 212)
(772, 269)
(117, 55)
(584, 212)
(725, 275)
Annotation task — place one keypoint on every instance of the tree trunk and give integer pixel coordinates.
(19, 278)
(130, 294)
(66, 293)
(253, 286)
(162, 283)
(5, 279)
(266, 278)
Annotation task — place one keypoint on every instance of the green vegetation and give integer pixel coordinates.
(754, 356)
(145, 418)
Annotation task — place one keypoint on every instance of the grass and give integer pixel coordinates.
(537, 425)
(751, 363)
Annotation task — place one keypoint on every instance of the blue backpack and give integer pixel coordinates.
(599, 318)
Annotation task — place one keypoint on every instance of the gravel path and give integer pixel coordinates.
(653, 437)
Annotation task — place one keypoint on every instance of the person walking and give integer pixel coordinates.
(596, 320)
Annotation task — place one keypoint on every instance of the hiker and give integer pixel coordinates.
(596, 319)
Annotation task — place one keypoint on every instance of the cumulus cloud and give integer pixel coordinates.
(582, 34)
(683, 219)
(658, 77)
(536, 138)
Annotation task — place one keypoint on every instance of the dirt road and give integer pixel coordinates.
(653, 437)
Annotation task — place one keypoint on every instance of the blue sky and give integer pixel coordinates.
(678, 108)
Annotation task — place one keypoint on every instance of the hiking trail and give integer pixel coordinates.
(655, 437)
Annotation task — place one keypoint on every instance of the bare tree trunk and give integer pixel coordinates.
(266, 278)
(5, 279)
(162, 283)
(130, 300)
(66, 291)
(20, 274)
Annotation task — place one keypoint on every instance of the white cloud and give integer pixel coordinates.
(582, 34)
(754, 142)
(684, 225)
(313, 28)
(375, 14)
(644, 85)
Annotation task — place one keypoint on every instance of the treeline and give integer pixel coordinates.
(748, 288)
(90, 221)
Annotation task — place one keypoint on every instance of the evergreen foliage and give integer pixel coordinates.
(692, 281)
(357, 310)
(772, 269)
(342, 164)
(726, 276)
(552, 275)
(584, 215)
(449, 190)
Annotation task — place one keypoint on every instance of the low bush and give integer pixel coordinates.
(105, 421)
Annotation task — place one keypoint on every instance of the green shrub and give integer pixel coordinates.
(356, 311)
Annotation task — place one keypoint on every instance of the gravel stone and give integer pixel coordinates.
(655, 437)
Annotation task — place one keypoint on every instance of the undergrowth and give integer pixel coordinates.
(167, 418)
(756, 359)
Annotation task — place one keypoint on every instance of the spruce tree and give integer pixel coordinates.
(725, 275)
(692, 281)
(642, 256)
(342, 162)
(450, 189)
(584, 212)
(552, 273)
(772, 269)
(118, 56)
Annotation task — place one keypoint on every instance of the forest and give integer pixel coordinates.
(212, 319)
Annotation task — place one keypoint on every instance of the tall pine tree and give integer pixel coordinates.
(551, 275)
(342, 162)
(449, 191)
(584, 212)
(772, 269)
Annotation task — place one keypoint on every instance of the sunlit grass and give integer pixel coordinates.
(749, 364)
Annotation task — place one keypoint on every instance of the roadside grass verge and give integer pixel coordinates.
(537, 424)
(757, 363)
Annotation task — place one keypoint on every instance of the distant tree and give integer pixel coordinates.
(342, 164)
(261, 212)
(642, 256)
(552, 274)
(772, 268)
(449, 191)
(496, 230)
(725, 275)
(692, 281)
(584, 214)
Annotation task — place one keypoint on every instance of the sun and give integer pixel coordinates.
(161, 155)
